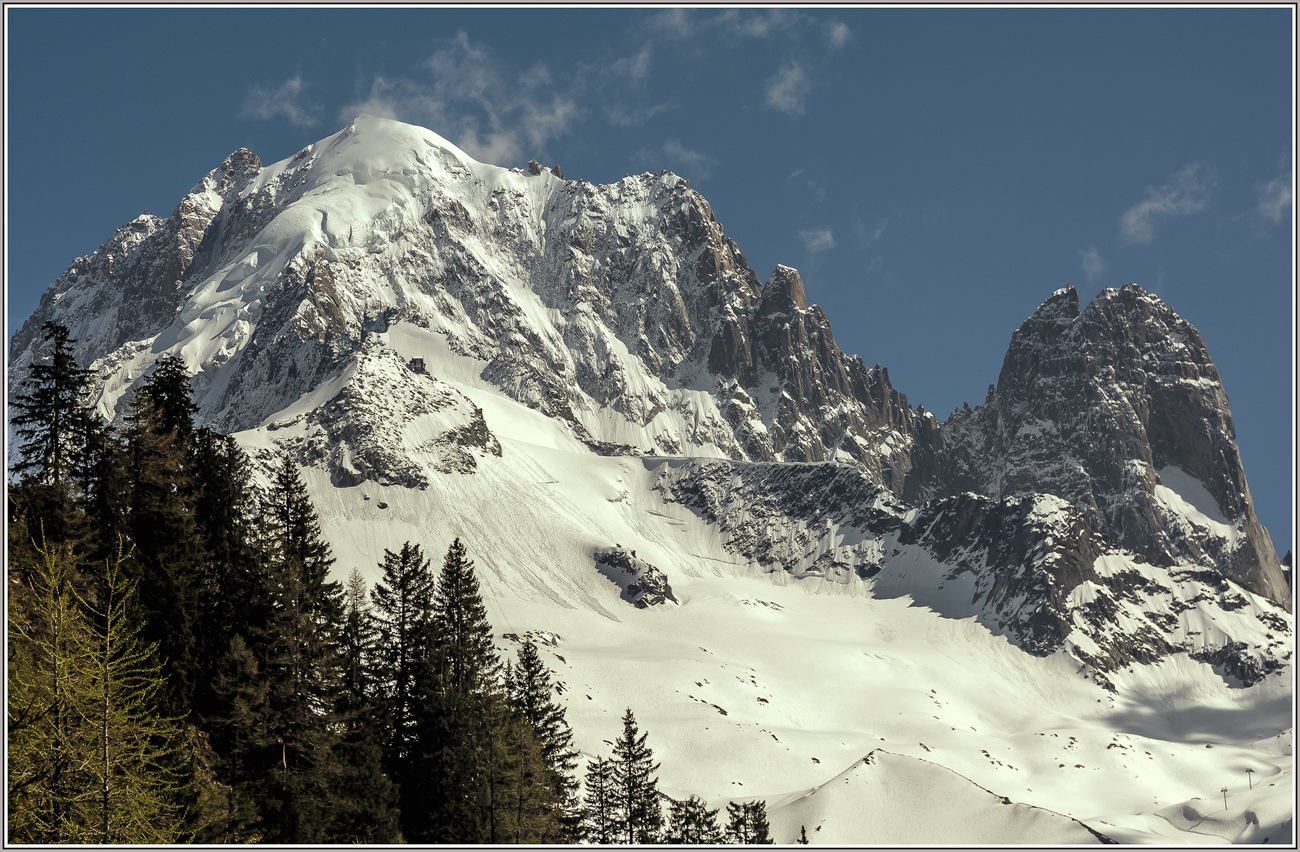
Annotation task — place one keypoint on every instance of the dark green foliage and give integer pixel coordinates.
(453, 724)
(532, 694)
(49, 411)
(636, 789)
(227, 584)
(167, 551)
(403, 623)
(691, 822)
(747, 823)
(465, 657)
(105, 495)
(297, 650)
(367, 800)
(599, 821)
(169, 391)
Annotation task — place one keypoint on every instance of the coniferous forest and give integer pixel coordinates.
(182, 668)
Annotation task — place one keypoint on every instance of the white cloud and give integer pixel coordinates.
(265, 104)
(748, 25)
(1275, 197)
(1092, 262)
(675, 23)
(838, 34)
(624, 117)
(787, 89)
(635, 68)
(817, 241)
(1186, 193)
(471, 98)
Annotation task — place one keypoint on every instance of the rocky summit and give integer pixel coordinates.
(580, 372)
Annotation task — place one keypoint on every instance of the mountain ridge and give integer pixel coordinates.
(591, 386)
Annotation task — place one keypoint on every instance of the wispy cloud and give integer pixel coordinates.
(1092, 262)
(264, 104)
(1275, 197)
(635, 68)
(869, 237)
(817, 241)
(1186, 193)
(753, 25)
(787, 90)
(635, 116)
(493, 115)
(690, 163)
(674, 23)
(838, 34)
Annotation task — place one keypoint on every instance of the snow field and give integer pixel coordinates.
(761, 685)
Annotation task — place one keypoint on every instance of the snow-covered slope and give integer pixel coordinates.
(670, 475)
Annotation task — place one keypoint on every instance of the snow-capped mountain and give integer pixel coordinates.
(566, 375)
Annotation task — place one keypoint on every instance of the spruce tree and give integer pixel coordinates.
(229, 576)
(365, 809)
(636, 789)
(451, 763)
(524, 806)
(402, 613)
(48, 411)
(466, 658)
(691, 822)
(532, 694)
(747, 823)
(599, 818)
(167, 548)
(298, 654)
(803, 836)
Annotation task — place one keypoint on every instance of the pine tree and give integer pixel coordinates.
(100, 472)
(747, 823)
(454, 725)
(532, 695)
(167, 549)
(803, 836)
(296, 537)
(403, 613)
(227, 582)
(297, 651)
(636, 790)
(691, 822)
(240, 739)
(466, 658)
(524, 806)
(600, 819)
(49, 410)
(366, 802)
(170, 393)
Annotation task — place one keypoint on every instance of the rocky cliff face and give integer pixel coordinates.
(1096, 406)
(624, 313)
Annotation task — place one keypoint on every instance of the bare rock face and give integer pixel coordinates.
(642, 584)
(1090, 406)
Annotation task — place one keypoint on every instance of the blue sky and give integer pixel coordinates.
(934, 174)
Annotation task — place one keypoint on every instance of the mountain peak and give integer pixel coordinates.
(783, 292)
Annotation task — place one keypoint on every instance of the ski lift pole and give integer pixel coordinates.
(1225, 798)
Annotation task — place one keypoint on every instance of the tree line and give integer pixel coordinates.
(182, 669)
